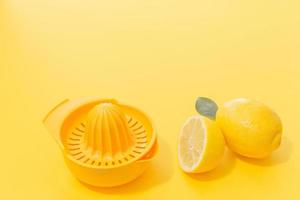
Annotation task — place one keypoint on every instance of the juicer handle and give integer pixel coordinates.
(54, 119)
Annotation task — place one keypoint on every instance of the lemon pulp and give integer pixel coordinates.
(201, 145)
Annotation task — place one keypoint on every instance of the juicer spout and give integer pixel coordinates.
(151, 154)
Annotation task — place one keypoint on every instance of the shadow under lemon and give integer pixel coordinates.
(224, 168)
(279, 156)
(159, 171)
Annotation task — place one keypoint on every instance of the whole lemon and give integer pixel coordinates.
(250, 128)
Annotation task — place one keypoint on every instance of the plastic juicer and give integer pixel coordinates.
(104, 143)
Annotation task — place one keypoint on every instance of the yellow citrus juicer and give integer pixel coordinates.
(104, 143)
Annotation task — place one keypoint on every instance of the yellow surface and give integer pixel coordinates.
(158, 56)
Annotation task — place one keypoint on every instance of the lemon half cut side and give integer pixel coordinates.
(200, 146)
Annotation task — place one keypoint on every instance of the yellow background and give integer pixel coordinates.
(157, 55)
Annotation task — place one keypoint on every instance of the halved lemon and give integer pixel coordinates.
(201, 145)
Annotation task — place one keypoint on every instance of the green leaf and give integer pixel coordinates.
(206, 107)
